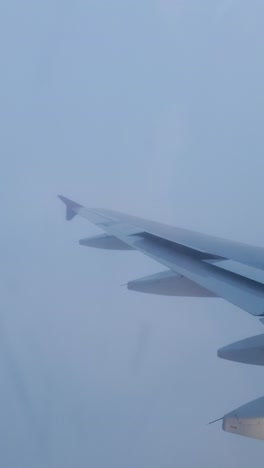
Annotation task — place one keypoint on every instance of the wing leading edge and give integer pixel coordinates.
(194, 256)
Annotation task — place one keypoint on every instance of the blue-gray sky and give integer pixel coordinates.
(155, 108)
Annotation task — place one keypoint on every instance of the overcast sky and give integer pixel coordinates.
(155, 108)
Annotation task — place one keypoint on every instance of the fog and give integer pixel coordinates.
(154, 108)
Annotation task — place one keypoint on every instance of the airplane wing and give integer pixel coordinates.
(195, 262)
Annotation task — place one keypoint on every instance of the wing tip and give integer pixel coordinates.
(71, 207)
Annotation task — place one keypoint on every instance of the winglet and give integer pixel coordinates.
(71, 207)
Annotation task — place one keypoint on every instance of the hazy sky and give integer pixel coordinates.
(155, 108)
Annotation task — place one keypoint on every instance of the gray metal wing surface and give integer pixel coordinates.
(200, 258)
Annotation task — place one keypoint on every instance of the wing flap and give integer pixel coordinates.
(104, 241)
(240, 291)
